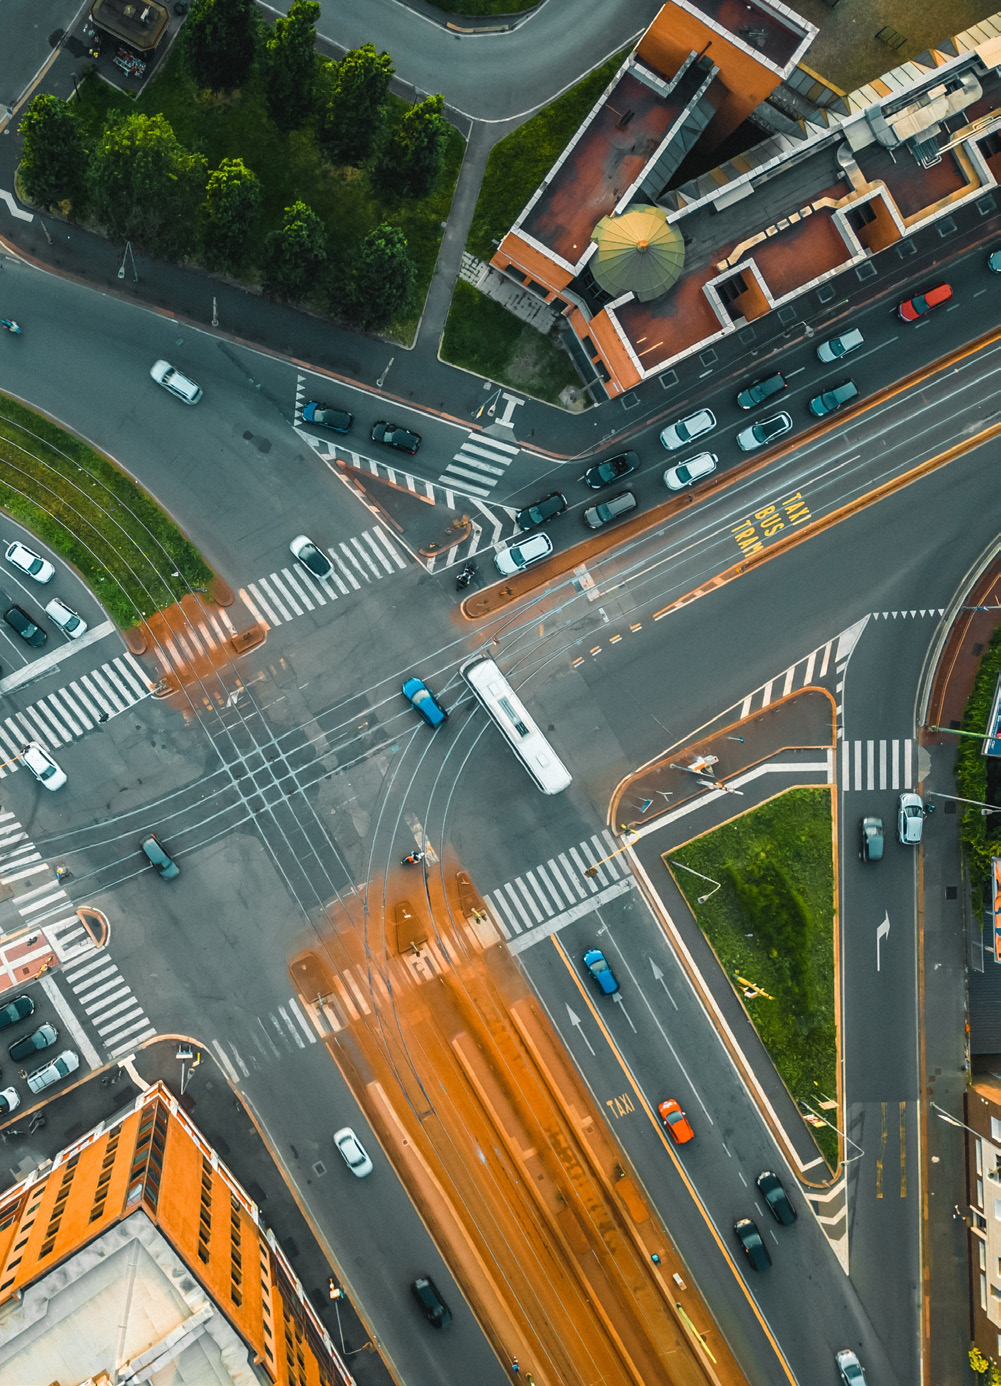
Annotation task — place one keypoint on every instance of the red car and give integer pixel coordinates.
(675, 1121)
(921, 304)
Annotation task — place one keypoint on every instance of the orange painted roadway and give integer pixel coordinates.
(501, 1148)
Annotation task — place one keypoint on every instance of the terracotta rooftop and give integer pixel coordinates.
(772, 35)
(601, 166)
(912, 187)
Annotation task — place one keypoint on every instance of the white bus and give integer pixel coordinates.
(512, 718)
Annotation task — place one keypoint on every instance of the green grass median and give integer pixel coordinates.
(771, 923)
(126, 549)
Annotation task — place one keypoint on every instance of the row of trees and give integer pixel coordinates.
(138, 181)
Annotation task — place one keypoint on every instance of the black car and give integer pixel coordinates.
(776, 1197)
(761, 390)
(26, 628)
(613, 470)
(17, 1008)
(754, 1248)
(339, 420)
(613, 509)
(38, 1039)
(433, 1307)
(542, 512)
(835, 398)
(396, 437)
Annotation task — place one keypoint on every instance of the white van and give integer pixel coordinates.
(60, 1067)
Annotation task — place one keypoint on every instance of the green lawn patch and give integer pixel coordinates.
(483, 337)
(978, 777)
(772, 923)
(119, 540)
(518, 164)
(291, 166)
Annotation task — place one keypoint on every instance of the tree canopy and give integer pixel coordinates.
(294, 254)
(232, 199)
(382, 278)
(146, 186)
(412, 157)
(292, 65)
(353, 109)
(221, 39)
(53, 155)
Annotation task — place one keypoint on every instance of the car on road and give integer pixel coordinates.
(685, 473)
(9, 1101)
(774, 1194)
(833, 399)
(353, 1153)
(994, 261)
(756, 435)
(177, 384)
(612, 509)
(65, 618)
(850, 1368)
(313, 559)
(339, 420)
(396, 437)
(158, 856)
(422, 700)
(676, 1124)
(922, 304)
(38, 1039)
(42, 766)
(30, 631)
(56, 1069)
(17, 1008)
(543, 512)
(685, 431)
(836, 347)
(433, 1307)
(910, 819)
(759, 390)
(597, 965)
(754, 1248)
(18, 555)
(870, 838)
(518, 556)
(612, 469)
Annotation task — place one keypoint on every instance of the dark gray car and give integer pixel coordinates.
(606, 511)
(38, 1039)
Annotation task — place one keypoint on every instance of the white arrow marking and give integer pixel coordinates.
(575, 1020)
(882, 932)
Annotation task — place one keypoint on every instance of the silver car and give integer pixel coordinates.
(850, 1368)
(54, 1071)
(520, 555)
(685, 431)
(353, 1152)
(756, 435)
(910, 819)
(18, 555)
(71, 625)
(837, 347)
(677, 478)
(175, 383)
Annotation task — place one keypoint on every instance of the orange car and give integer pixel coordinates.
(675, 1121)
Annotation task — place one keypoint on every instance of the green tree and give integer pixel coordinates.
(353, 109)
(293, 255)
(53, 155)
(146, 187)
(412, 157)
(292, 65)
(220, 40)
(232, 200)
(382, 278)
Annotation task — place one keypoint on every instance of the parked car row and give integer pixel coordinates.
(32, 565)
(341, 421)
(44, 1036)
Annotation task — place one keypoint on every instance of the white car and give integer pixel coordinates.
(850, 1368)
(756, 435)
(19, 556)
(840, 346)
(910, 819)
(67, 620)
(179, 385)
(354, 1153)
(42, 766)
(60, 1067)
(520, 555)
(9, 1101)
(313, 559)
(685, 431)
(677, 478)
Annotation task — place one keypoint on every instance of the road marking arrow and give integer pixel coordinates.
(882, 932)
(575, 1020)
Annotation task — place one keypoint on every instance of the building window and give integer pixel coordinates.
(996, 1292)
(983, 1293)
(978, 1149)
(996, 1130)
(980, 1193)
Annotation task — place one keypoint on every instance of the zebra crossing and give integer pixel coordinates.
(558, 891)
(479, 464)
(283, 595)
(74, 709)
(885, 764)
(108, 1002)
(286, 1029)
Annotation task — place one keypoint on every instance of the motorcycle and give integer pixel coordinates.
(413, 859)
(10, 325)
(465, 577)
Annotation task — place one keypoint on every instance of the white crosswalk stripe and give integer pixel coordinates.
(282, 596)
(885, 764)
(479, 464)
(73, 710)
(109, 1003)
(556, 886)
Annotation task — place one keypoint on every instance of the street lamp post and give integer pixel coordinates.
(985, 809)
(691, 870)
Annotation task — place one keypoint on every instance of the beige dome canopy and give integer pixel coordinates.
(638, 252)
